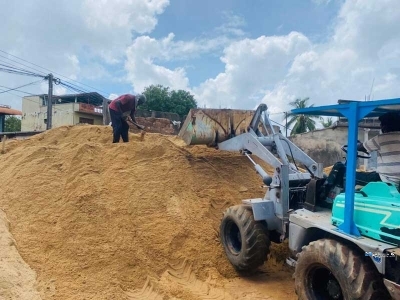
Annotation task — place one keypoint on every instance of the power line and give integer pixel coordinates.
(9, 59)
(13, 70)
(16, 90)
(20, 71)
(72, 87)
(19, 96)
(16, 68)
(51, 71)
(12, 89)
(280, 124)
(77, 90)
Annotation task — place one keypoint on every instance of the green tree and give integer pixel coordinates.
(328, 123)
(12, 124)
(160, 98)
(302, 123)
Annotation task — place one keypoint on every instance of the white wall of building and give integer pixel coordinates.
(34, 114)
(97, 120)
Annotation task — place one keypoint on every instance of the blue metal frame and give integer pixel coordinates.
(354, 112)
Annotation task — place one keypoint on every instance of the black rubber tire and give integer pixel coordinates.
(354, 276)
(245, 241)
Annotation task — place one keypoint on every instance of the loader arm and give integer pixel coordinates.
(249, 143)
(211, 127)
(262, 146)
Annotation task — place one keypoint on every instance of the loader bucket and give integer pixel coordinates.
(212, 126)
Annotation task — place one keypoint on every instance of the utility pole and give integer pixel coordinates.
(50, 102)
(286, 122)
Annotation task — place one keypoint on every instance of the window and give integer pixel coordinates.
(86, 120)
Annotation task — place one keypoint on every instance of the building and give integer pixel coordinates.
(324, 145)
(6, 110)
(367, 123)
(67, 110)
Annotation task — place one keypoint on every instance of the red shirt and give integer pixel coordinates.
(128, 103)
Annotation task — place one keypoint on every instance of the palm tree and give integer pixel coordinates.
(328, 123)
(302, 123)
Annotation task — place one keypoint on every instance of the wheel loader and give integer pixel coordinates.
(344, 241)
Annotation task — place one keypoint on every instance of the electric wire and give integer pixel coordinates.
(2, 51)
(281, 125)
(18, 72)
(5, 57)
(3, 88)
(12, 89)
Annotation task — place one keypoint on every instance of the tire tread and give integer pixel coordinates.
(364, 282)
(255, 240)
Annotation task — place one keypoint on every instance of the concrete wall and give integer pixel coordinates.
(156, 125)
(324, 145)
(97, 120)
(34, 114)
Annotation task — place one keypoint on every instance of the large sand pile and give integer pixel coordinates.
(97, 220)
(17, 280)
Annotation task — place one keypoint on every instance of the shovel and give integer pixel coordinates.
(142, 133)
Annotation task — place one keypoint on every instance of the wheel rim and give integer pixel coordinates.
(322, 284)
(233, 238)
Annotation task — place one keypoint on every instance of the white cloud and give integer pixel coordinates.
(142, 71)
(74, 62)
(252, 66)
(321, 2)
(73, 38)
(232, 24)
(113, 96)
(145, 53)
(137, 14)
(363, 49)
(85, 36)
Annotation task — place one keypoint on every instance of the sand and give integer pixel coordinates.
(96, 220)
(17, 280)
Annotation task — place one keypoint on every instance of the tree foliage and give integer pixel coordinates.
(301, 123)
(12, 124)
(160, 98)
(328, 122)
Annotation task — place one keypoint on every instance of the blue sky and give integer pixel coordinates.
(194, 19)
(191, 19)
(261, 17)
(231, 54)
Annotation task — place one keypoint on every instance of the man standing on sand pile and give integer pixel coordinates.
(122, 109)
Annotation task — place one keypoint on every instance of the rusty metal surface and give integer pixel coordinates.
(209, 126)
(395, 251)
(393, 288)
(10, 111)
(90, 109)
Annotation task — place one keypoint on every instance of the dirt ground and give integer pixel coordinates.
(94, 220)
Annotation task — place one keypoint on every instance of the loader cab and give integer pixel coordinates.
(340, 185)
(327, 245)
(335, 182)
(361, 227)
